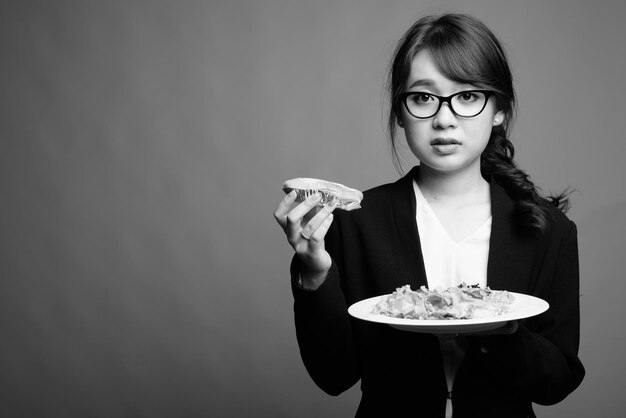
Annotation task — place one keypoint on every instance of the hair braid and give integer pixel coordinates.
(531, 213)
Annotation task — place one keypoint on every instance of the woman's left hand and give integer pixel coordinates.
(507, 329)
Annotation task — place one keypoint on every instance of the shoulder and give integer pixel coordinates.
(556, 222)
(381, 203)
(559, 223)
(383, 192)
(387, 197)
(386, 193)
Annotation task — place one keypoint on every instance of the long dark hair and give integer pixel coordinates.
(466, 51)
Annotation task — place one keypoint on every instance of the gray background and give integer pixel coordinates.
(142, 150)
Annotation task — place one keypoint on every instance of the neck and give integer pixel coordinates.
(437, 186)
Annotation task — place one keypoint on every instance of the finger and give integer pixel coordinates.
(510, 328)
(314, 223)
(317, 238)
(294, 217)
(280, 214)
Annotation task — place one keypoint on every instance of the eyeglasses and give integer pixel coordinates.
(465, 104)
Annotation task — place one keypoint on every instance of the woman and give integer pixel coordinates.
(465, 214)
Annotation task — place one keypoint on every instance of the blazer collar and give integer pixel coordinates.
(505, 244)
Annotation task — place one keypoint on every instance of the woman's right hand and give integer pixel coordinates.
(305, 226)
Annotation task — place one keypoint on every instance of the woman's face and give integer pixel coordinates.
(445, 142)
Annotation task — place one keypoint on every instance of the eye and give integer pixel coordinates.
(421, 98)
(468, 97)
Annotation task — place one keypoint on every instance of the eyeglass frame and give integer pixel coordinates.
(446, 99)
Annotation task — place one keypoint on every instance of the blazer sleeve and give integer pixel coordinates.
(323, 327)
(540, 361)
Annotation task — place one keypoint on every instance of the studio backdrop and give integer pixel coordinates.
(143, 145)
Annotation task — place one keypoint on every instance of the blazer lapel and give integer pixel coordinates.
(510, 255)
(403, 209)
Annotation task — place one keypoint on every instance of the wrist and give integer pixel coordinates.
(311, 280)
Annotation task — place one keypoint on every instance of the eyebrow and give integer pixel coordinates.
(426, 82)
(429, 83)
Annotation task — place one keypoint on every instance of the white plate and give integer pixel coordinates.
(523, 306)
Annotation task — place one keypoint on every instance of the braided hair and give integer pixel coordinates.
(466, 51)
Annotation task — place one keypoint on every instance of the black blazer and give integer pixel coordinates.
(377, 249)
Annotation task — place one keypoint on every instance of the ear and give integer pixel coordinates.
(498, 118)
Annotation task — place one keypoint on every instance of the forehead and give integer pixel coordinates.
(425, 74)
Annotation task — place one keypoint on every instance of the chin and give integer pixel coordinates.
(448, 164)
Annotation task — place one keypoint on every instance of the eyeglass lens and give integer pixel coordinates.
(464, 104)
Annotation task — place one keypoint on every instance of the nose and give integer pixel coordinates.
(444, 118)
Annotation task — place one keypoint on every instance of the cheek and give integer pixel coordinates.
(480, 132)
(416, 134)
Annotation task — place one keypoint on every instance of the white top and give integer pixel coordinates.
(449, 263)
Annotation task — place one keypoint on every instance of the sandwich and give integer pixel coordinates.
(345, 197)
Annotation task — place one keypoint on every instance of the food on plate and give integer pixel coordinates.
(346, 197)
(461, 302)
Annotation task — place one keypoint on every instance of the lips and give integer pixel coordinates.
(445, 146)
(445, 141)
